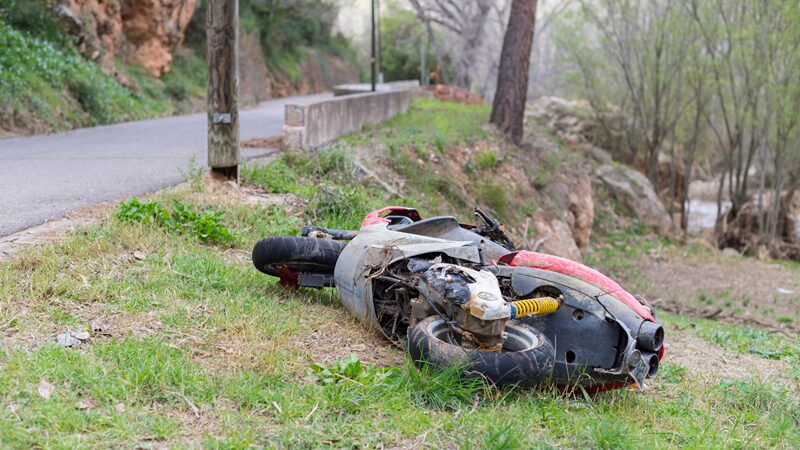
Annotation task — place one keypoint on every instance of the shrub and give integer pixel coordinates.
(205, 225)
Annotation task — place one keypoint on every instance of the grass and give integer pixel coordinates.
(198, 349)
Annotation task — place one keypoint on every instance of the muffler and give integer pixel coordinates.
(651, 359)
(650, 336)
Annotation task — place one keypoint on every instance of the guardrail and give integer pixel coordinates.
(310, 125)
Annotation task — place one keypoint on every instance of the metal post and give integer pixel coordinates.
(372, 60)
(379, 39)
(423, 75)
(222, 31)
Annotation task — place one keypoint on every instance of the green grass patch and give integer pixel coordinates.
(433, 123)
(43, 84)
(486, 159)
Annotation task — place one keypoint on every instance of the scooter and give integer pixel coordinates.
(460, 294)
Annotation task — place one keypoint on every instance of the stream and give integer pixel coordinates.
(703, 214)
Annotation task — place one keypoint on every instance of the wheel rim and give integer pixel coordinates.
(296, 267)
(518, 338)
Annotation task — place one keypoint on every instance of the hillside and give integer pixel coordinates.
(85, 62)
(189, 346)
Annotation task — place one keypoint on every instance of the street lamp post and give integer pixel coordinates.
(373, 60)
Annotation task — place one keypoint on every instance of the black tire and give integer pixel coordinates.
(299, 254)
(527, 358)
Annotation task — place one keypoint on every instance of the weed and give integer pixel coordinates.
(349, 369)
(194, 175)
(672, 373)
(547, 167)
(486, 159)
(275, 177)
(493, 195)
(205, 225)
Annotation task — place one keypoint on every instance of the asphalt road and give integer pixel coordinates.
(45, 177)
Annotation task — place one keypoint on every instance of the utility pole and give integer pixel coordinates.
(373, 59)
(222, 28)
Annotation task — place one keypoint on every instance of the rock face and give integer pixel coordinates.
(254, 80)
(554, 236)
(634, 192)
(574, 122)
(319, 73)
(153, 29)
(572, 195)
(144, 32)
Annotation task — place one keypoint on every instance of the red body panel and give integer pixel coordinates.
(576, 270)
(374, 218)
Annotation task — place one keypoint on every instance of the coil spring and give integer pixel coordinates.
(534, 307)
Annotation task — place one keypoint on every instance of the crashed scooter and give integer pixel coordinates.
(461, 294)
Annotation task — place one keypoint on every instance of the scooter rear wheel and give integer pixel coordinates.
(297, 254)
(527, 358)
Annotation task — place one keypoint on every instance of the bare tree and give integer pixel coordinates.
(508, 109)
(466, 21)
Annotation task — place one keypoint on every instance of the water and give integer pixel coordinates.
(703, 214)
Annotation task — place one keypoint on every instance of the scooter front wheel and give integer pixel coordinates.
(527, 357)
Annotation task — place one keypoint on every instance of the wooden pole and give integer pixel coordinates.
(222, 28)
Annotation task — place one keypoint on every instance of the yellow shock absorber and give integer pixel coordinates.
(535, 307)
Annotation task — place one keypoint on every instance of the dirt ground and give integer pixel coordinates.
(728, 287)
(708, 362)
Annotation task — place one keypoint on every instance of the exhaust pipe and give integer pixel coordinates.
(651, 359)
(650, 336)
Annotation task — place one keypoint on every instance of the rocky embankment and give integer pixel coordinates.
(143, 32)
(148, 33)
(587, 183)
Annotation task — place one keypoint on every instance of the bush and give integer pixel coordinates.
(42, 82)
(204, 225)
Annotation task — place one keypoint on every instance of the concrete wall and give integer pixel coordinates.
(310, 125)
(361, 88)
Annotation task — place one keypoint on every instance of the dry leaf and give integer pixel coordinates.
(85, 404)
(45, 389)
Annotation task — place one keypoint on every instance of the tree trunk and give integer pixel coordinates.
(508, 109)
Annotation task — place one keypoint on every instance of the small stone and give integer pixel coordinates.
(139, 255)
(67, 340)
(120, 408)
(98, 326)
(81, 335)
(730, 252)
(45, 389)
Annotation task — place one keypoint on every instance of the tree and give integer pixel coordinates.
(508, 108)
(466, 21)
